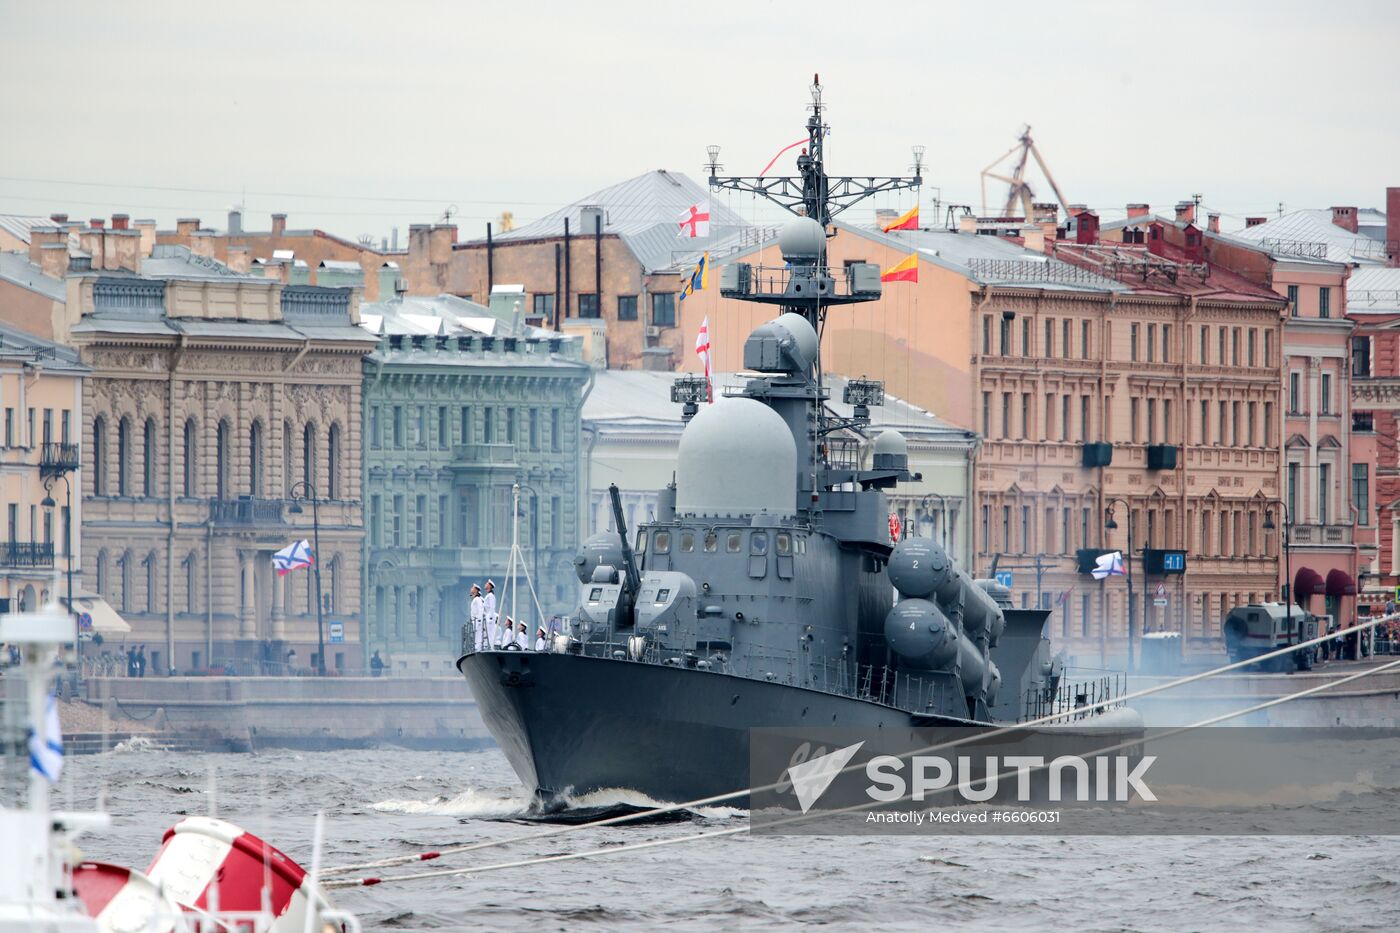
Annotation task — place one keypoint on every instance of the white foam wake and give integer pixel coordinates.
(469, 803)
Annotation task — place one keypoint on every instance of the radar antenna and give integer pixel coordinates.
(812, 193)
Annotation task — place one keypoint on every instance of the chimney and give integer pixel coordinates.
(1034, 239)
(279, 224)
(1074, 210)
(1186, 212)
(90, 241)
(1043, 211)
(1213, 223)
(202, 243)
(186, 226)
(967, 224)
(121, 249)
(1086, 230)
(40, 237)
(239, 259)
(235, 221)
(97, 223)
(53, 259)
(1345, 217)
(147, 229)
(884, 216)
(121, 221)
(1255, 221)
(1138, 209)
(59, 219)
(1392, 224)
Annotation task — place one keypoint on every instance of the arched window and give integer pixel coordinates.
(287, 471)
(151, 583)
(99, 456)
(102, 580)
(333, 462)
(124, 575)
(221, 465)
(308, 455)
(148, 459)
(255, 459)
(124, 457)
(191, 563)
(191, 458)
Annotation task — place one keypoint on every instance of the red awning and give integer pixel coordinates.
(1307, 582)
(1340, 583)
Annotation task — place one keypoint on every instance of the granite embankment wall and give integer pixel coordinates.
(1370, 701)
(240, 713)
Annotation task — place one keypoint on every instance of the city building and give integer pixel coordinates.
(632, 429)
(608, 265)
(459, 408)
(1326, 552)
(41, 417)
(215, 398)
(1078, 362)
(296, 256)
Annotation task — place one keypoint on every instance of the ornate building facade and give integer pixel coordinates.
(458, 409)
(212, 395)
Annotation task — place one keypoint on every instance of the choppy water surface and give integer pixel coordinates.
(388, 802)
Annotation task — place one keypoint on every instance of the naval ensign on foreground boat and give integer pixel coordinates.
(761, 595)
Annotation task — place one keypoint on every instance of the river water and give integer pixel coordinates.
(391, 801)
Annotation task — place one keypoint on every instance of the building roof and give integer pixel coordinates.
(1374, 289)
(19, 225)
(16, 268)
(451, 331)
(1311, 232)
(639, 402)
(437, 315)
(177, 262)
(644, 213)
(54, 357)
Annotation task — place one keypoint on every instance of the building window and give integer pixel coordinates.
(588, 305)
(1049, 348)
(1152, 421)
(333, 462)
(1025, 336)
(1084, 418)
(1065, 332)
(1324, 492)
(255, 461)
(398, 427)
(420, 521)
(420, 427)
(986, 414)
(308, 454)
(1133, 420)
(534, 427)
(1361, 491)
(444, 433)
(1361, 356)
(1295, 384)
(397, 522)
(663, 309)
(1133, 342)
(986, 334)
(1006, 527)
(1235, 346)
(556, 517)
(1084, 346)
(124, 457)
(1268, 348)
(1324, 301)
(1292, 489)
(1151, 343)
(468, 523)
(1025, 529)
(1006, 334)
(510, 425)
(1268, 424)
(1250, 435)
(626, 307)
(288, 462)
(443, 521)
(1220, 426)
(1325, 407)
(191, 583)
(488, 426)
(1363, 422)
(376, 522)
(191, 440)
(99, 456)
(1006, 415)
(1025, 415)
(466, 426)
(986, 529)
(1253, 335)
(544, 307)
(374, 439)
(1293, 300)
(1221, 356)
(1064, 418)
(556, 439)
(221, 461)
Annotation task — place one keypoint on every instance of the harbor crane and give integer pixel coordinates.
(1020, 189)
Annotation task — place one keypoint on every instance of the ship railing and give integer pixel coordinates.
(1068, 697)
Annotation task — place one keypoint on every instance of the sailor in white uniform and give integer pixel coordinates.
(492, 619)
(478, 618)
(539, 638)
(522, 637)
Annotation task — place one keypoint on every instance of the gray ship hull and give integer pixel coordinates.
(572, 724)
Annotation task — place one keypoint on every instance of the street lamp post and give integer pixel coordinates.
(48, 506)
(1287, 558)
(1109, 524)
(299, 491)
(942, 513)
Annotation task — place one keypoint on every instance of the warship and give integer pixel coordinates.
(762, 593)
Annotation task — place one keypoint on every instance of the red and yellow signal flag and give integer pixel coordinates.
(909, 220)
(906, 270)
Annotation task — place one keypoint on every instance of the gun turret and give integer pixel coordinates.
(632, 580)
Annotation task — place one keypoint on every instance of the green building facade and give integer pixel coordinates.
(456, 413)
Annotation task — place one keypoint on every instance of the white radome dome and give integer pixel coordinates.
(736, 458)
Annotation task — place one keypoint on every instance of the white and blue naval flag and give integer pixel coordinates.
(1109, 565)
(295, 556)
(47, 757)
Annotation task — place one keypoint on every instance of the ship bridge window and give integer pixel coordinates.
(662, 542)
(641, 542)
(595, 594)
(735, 540)
(782, 543)
(711, 542)
(662, 595)
(687, 542)
(799, 545)
(758, 543)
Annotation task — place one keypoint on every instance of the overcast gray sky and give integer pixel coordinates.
(360, 116)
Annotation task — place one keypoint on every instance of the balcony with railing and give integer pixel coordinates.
(484, 453)
(1304, 534)
(25, 554)
(57, 457)
(246, 511)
